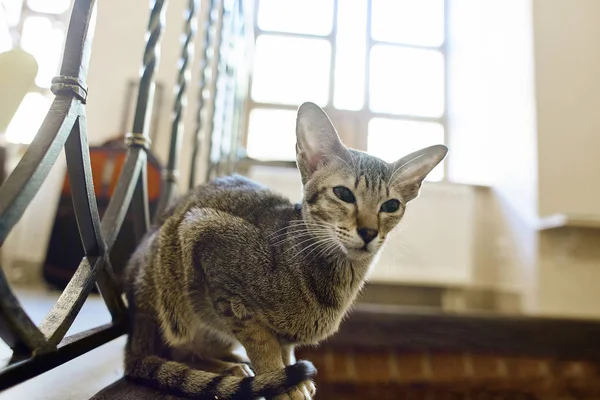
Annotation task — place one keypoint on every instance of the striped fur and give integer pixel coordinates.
(233, 266)
(179, 379)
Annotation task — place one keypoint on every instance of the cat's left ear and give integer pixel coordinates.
(316, 140)
(409, 172)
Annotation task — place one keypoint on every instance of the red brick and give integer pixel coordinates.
(577, 370)
(448, 367)
(486, 367)
(410, 367)
(372, 367)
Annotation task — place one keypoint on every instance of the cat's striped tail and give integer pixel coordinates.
(179, 379)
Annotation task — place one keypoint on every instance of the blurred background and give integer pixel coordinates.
(508, 224)
(508, 221)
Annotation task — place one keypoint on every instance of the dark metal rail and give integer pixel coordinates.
(37, 349)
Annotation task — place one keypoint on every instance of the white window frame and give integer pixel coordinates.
(357, 139)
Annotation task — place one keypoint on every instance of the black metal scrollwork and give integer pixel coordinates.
(37, 349)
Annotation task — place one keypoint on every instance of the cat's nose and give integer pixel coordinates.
(367, 234)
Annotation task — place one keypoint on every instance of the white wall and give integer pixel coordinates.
(492, 120)
(567, 53)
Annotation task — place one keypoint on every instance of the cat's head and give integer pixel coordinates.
(352, 200)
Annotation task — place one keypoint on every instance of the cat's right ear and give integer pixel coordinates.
(316, 139)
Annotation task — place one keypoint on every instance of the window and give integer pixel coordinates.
(377, 63)
(39, 28)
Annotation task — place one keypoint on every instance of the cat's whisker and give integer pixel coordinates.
(305, 241)
(289, 226)
(329, 249)
(311, 245)
(313, 223)
(314, 248)
(297, 229)
(296, 236)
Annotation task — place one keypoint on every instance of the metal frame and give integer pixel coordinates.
(364, 114)
(37, 349)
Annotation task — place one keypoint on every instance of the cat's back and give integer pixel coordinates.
(238, 196)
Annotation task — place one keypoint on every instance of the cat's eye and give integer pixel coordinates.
(344, 194)
(390, 206)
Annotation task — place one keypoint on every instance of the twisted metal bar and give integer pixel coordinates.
(150, 61)
(132, 190)
(229, 146)
(203, 94)
(183, 76)
(212, 90)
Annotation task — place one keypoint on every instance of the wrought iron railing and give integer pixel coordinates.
(37, 349)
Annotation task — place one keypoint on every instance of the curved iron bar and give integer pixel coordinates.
(170, 175)
(117, 208)
(71, 347)
(63, 313)
(16, 328)
(38, 350)
(24, 182)
(203, 95)
(65, 126)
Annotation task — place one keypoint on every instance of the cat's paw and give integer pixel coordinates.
(305, 391)
(241, 370)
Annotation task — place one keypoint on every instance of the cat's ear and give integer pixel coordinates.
(316, 140)
(409, 172)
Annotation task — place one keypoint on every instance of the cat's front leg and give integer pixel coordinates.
(263, 348)
(289, 357)
(267, 355)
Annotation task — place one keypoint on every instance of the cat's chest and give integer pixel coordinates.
(312, 325)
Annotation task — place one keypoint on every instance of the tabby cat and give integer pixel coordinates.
(234, 276)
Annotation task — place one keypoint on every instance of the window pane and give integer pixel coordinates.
(406, 81)
(291, 70)
(272, 135)
(49, 6)
(45, 43)
(5, 37)
(350, 55)
(297, 16)
(11, 11)
(391, 139)
(418, 22)
(28, 118)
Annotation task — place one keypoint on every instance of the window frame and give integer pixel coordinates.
(359, 137)
(58, 20)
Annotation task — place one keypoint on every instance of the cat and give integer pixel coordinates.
(233, 266)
